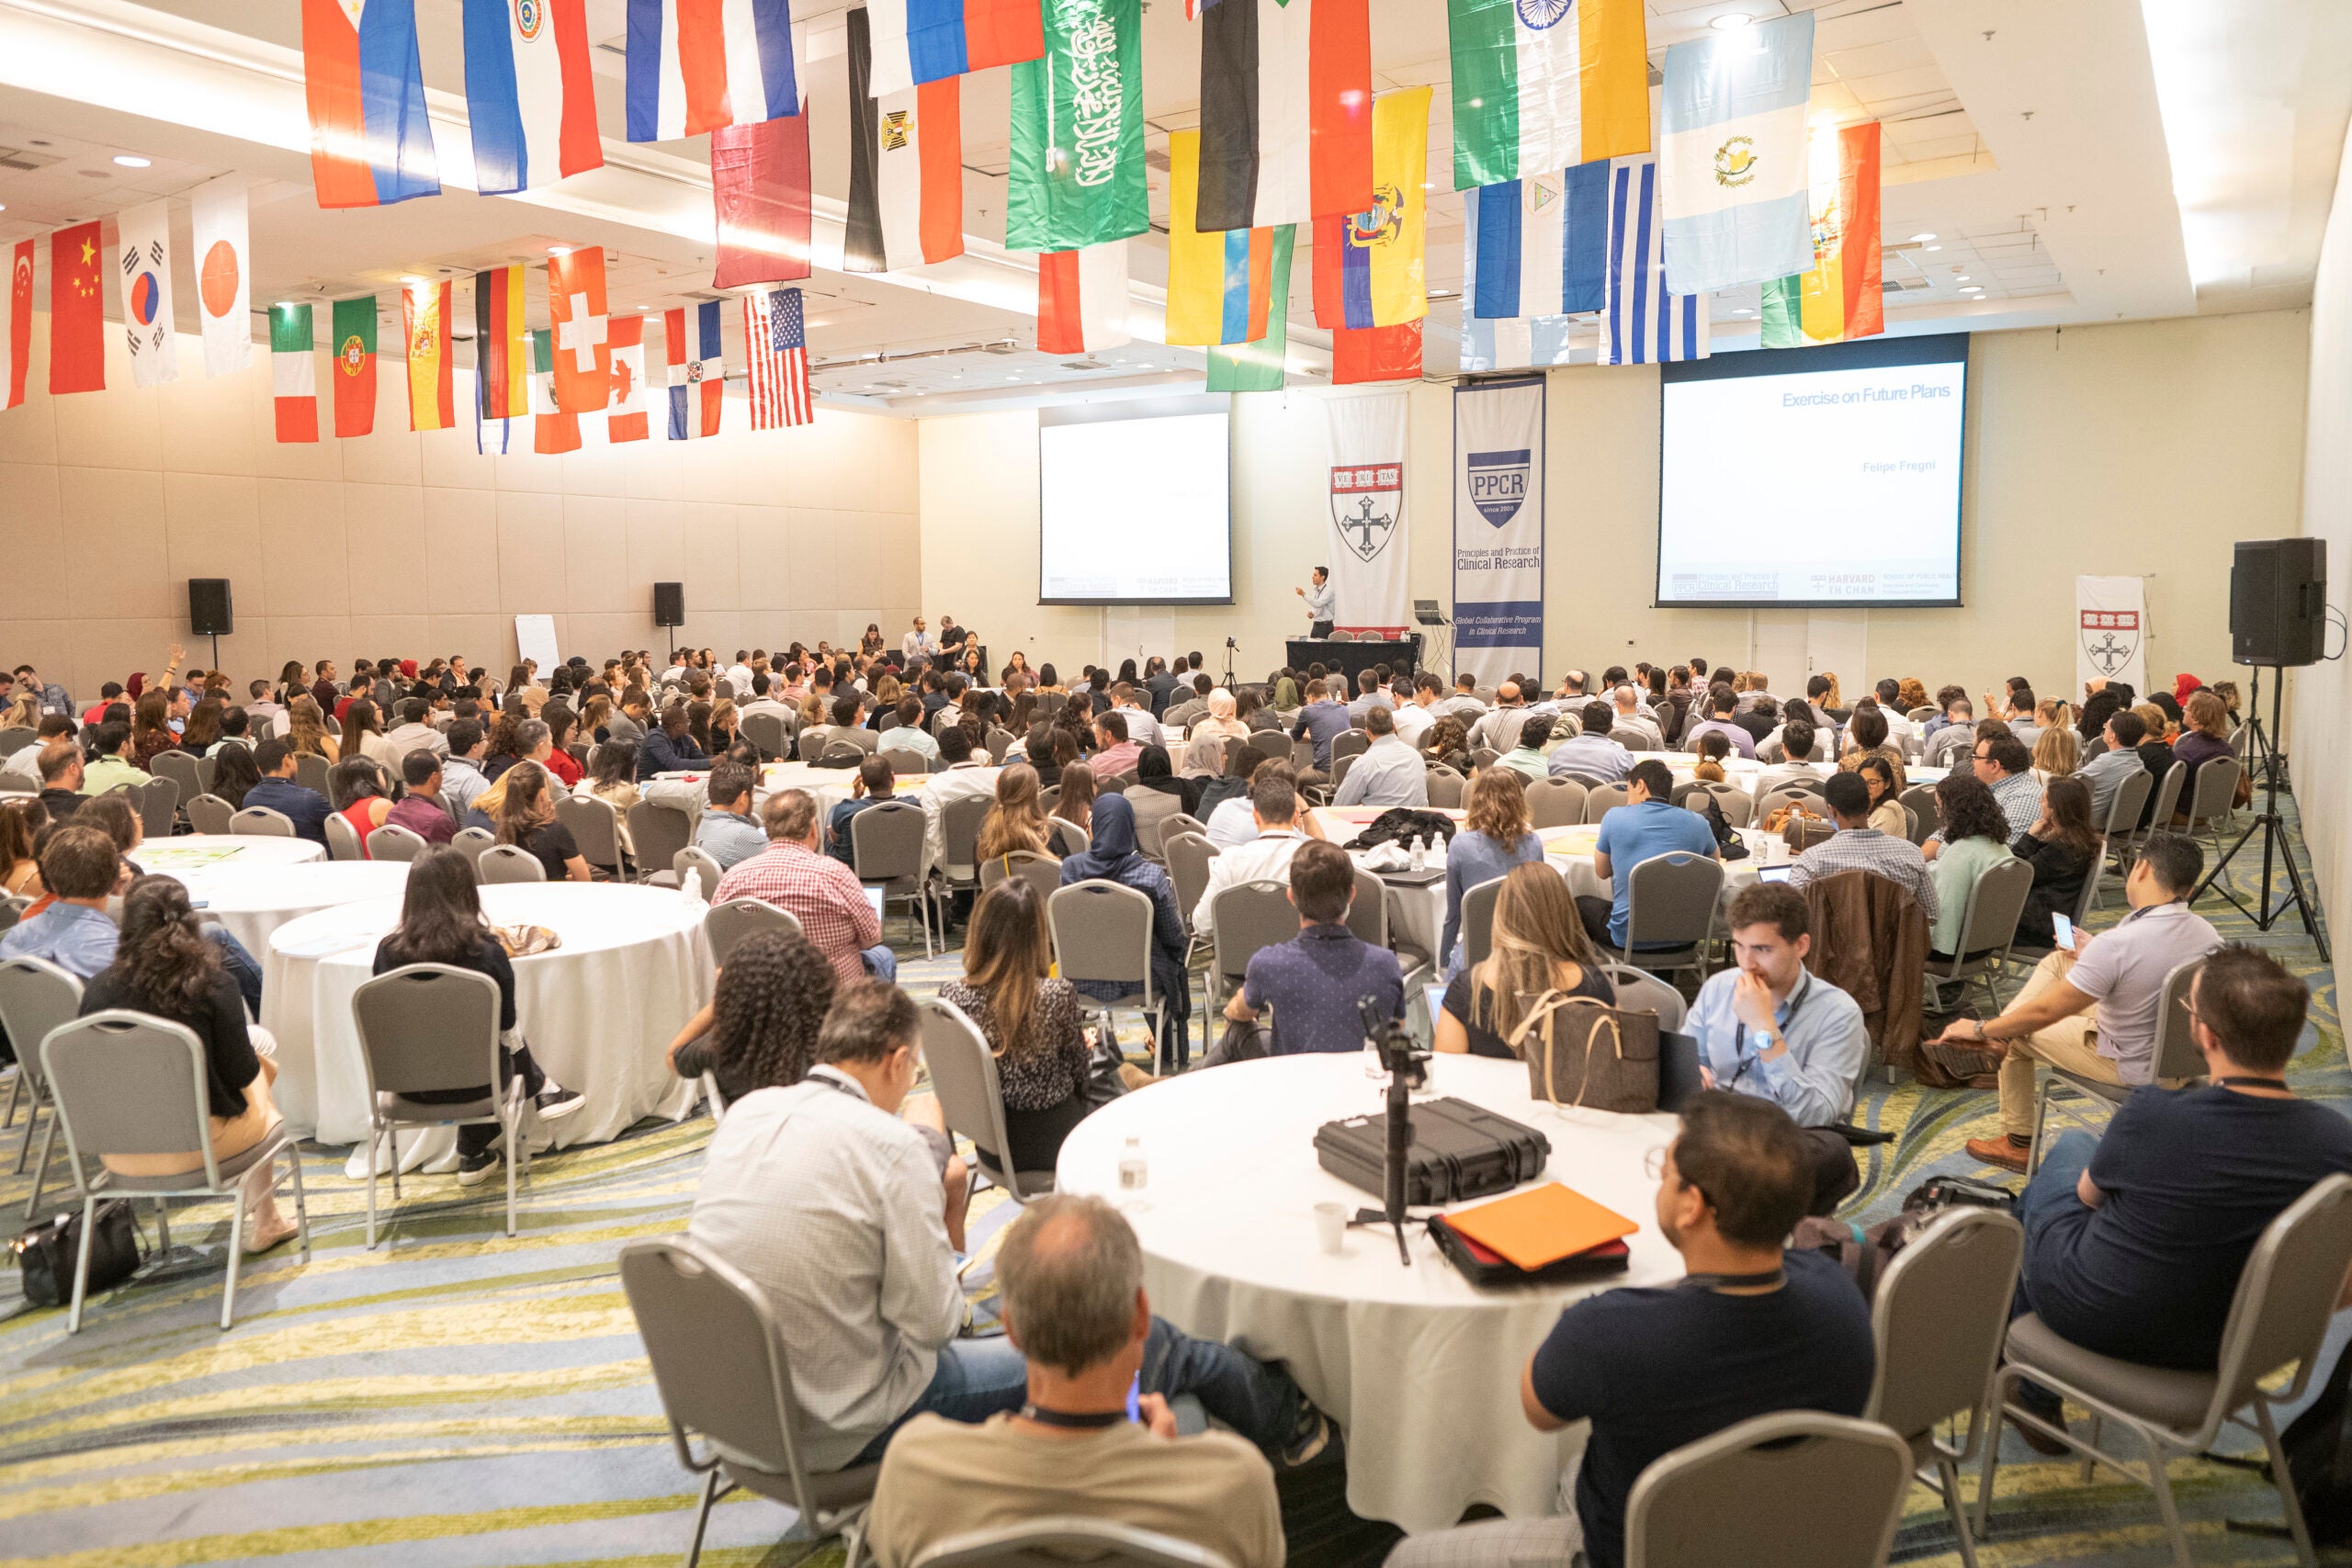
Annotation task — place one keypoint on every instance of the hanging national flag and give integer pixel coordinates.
(143, 262)
(1540, 85)
(759, 183)
(1082, 300)
(1077, 176)
(492, 437)
(353, 345)
(628, 422)
(293, 373)
(223, 291)
(501, 344)
(1641, 323)
(584, 355)
(1509, 342)
(371, 143)
(694, 65)
(425, 322)
(906, 169)
(555, 429)
(1541, 243)
(1733, 158)
(530, 94)
(1218, 284)
(1258, 366)
(775, 347)
(77, 322)
(1376, 354)
(1286, 112)
(16, 347)
(1369, 270)
(697, 372)
(1837, 298)
(931, 41)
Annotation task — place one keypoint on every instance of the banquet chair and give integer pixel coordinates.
(1188, 853)
(656, 834)
(1555, 803)
(210, 814)
(726, 926)
(310, 771)
(964, 1077)
(180, 768)
(1340, 767)
(1738, 806)
(1638, 990)
(1926, 816)
(2169, 790)
(1181, 823)
(1479, 920)
(885, 846)
(1635, 740)
(434, 1027)
(393, 843)
(1920, 714)
(1445, 788)
(595, 827)
(507, 863)
(343, 839)
(2210, 799)
(1068, 1540)
(811, 743)
(1101, 933)
(1368, 917)
(1233, 745)
(261, 821)
(1050, 703)
(36, 996)
(1938, 1317)
(1600, 801)
(1793, 1487)
(127, 1083)
(471, 843)
(1244, 917)
(2175, 1060)
(1670, 911)
(158, 803)
(1988, 928)
(1000, 742)
(840, 754)
(1482, 757)
(766, 731)
(2286, 1296)
(1348, 743)
(1040, 871)
(1069, 835)
(959, 825)
(720, 1365)
(903, 761)
(1787, 795)
(695, 858)
(15, 738)
(2124, 811)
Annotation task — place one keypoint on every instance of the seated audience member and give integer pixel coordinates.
(80, 868)
(305, 807)
(909, 734)
(1950, 738)
(1031, 1024)
(1447, 742)
(759, 1030)
(462, 779)
(1265, 857)
(1224, 720)
(967, 775)
(1770, 1028)
(1646, 826)
(1112, 856)
(1232, 783)
(821, 893)
(1498, 729)
(1189, 705)
(1076, 1312)
(668, 748)
(422, 810)
(2003, 765)
(1591, 754)
(21, 821)
(2121, 730)
(2204, 737)
(1158, 793)
(2093, 1010)
(1721, 704)
(1538, 960)
(1858, 846)
(1323, 720)
(1975, 838)
(1075, 801)
(1315, 981)
(1016, 819)
(1751, 1330)
(1711, 752)
(441, 922)
(357, 792)
(23, 764)
(2056, 753)
(62, 772)
(1233, 822)
(1495, 836)
(1797, 746)
(416, 730)
(1526, 757)
(1388, 772)
(727, 830)
(527, 819)
(1114, 752)
(234, 774)
(2061, 847)
(1369, 696)
(1883, 780)
(108, 766)
(872, 785)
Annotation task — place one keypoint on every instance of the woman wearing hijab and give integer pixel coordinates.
(1232, 782)
(1114, 857)
(1287, 700)
(1204, 760)
(1223, 720)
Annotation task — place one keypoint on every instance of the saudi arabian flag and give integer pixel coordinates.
(1257, 366)
(1077, 176)
(293, 373)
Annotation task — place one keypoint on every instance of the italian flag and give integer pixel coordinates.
(1082, 300)
(293, 373)
(1543, 85)
(1837, 298)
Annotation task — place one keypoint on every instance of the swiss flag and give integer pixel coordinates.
(583, 351)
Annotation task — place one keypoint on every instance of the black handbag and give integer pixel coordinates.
(46, 1253)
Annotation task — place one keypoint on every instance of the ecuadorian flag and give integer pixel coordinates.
(371, 143)
(1368, 267)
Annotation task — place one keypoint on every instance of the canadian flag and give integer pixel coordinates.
(627, 420)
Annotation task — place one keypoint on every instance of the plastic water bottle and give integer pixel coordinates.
(690, 890)
(1133, 1174)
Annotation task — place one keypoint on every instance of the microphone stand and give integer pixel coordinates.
(1407, 1071)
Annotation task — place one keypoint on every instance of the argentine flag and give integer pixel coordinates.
(1732, 160)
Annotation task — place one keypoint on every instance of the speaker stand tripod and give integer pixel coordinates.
(215, 648)
(2270, 825)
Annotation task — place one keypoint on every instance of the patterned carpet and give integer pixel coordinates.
(460, 1398)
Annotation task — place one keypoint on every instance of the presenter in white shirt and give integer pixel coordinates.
(1322, 604)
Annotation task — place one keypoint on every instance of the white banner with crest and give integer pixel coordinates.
(2111, 630)
(1366, 548)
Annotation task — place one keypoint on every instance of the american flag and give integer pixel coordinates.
(777, 345)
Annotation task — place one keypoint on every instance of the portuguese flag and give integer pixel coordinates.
(1837, 298)
(354, 365)
(293, 373)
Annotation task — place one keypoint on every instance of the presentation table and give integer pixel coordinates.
(1420, 1367)
(1403, 658)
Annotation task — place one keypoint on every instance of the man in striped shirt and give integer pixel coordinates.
(821, 893)
(1858, 846)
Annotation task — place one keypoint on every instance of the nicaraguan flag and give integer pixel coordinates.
(1541, 243)
(1734, 158)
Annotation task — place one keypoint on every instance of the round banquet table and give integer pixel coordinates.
(194, 855)
(1420, 1367)
(252, 901)
(599, 1012)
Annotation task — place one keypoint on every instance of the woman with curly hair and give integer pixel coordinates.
(506, 746)
(1447, 741)
(1910, 692)
(759, 1030)
(1975, 838)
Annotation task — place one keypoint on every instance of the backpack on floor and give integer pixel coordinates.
(2319, 1459)
(1866, 1252)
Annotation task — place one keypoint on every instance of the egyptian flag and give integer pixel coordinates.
(502, 342)
(906, 168)
(293, 373)
(1082, 300)
(354, 365)
(1285, 111)
(431, 388)
(626, 421)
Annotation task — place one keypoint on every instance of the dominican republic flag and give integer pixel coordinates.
(371, 143)
(583, 355)
(627, 421)
(1641, 323)
(694, 65)
(1286, 112)
(702, 369)
(775, 345)
(293, 373)
(529, 93)
(929, 40)
(906, 168)
(1082, 300)
(1541, 243)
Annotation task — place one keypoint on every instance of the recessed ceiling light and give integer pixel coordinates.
(1921, 239)
(411, 277)
(1730, 20)
(1935, 247)
(1959, 277)
(132, 160)
(559, 249)
(1742, 312)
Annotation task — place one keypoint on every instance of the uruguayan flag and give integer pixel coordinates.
(1641, 323)
(1734, 155)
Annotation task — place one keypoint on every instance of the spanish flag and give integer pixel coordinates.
(425, 319)
(1368, 267)
(1218, 281)
(1837, 298)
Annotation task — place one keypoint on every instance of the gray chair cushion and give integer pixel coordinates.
(838, 1489)
(193, 1181)
(2099, 1089)
(2168, 1398)
(398, 1108)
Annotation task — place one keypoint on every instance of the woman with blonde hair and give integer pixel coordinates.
(1540, 959)
(1017, 819)
(1496, 837)
(2160, 725)
(2058, 752)
(306, 728)
(24, 711)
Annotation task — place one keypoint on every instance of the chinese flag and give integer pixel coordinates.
(77, 341)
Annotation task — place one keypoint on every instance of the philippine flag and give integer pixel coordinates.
(694, 65)
(529, 93)
(371, 143)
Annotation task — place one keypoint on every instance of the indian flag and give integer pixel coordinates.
(1542, 85)
(293, 373)
(1837, 298)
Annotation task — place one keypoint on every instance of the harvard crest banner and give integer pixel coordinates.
(1498, 528)
(2111, 630)
(1368, 550)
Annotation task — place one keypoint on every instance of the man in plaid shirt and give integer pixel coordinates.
(821, 893)
(1858, 846)
(2004, 766)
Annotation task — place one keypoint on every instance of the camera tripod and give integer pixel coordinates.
(2264, 753)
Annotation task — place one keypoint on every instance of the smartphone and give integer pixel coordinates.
(1135, 1397)
(2064, 927)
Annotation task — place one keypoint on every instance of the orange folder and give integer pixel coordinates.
(1541, 1226)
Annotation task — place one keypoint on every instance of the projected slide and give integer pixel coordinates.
(1134, 505)
(1814, 476)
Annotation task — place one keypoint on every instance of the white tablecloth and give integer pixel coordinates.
(252, 901)
(599, 1012)
(1420, 1368)
(193, 856)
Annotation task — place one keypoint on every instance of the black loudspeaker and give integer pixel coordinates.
(209, 613)
(669, 604)
(2278, 601)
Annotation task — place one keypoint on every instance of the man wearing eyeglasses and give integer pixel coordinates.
(2003, 765)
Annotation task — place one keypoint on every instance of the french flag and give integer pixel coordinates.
(696, 65)
(929, 40)
(529, 93)
(371, 143)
